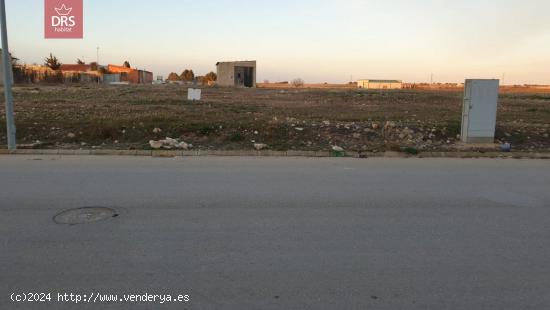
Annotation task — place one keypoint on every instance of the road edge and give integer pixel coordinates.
(267, 153)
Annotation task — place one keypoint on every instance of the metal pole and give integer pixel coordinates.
(6, 59)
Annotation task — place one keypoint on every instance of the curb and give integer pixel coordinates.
(252, 153)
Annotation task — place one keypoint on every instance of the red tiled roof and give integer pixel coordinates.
(119, 69)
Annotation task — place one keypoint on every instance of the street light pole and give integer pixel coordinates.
(8, 74)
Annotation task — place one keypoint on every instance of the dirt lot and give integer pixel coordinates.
(125, 117)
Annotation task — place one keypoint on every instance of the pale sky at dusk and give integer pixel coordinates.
(319, 41)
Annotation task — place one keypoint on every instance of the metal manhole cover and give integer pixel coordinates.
(84, 215)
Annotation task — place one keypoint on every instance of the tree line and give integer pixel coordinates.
(189, 76)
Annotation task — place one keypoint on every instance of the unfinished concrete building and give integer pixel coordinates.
(237, 73)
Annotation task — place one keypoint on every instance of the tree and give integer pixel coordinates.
(298, 82)
(126, 64)
(187, 75)
(173, 77)
(200, 79)
(93, 66)
(80, 61)
(52, 62)
(13, 60)
(211, 77)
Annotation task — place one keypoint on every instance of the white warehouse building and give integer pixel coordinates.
(380, 84)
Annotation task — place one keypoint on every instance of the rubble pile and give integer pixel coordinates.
(170, 144)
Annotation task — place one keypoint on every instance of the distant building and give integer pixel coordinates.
(159, 80)
(380, 84)
(236, 73)
(130, 75)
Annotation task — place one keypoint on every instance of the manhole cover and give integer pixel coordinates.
(84, 215)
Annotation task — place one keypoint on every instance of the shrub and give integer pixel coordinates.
(298, 82)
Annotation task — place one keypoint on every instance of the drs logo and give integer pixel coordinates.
(63, 19)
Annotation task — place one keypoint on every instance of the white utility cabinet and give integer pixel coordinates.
(194, 94)
(479, 114)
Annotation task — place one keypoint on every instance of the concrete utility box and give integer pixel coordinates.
(194, 94)
(479, 115)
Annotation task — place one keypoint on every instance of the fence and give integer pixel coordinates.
(39, 74)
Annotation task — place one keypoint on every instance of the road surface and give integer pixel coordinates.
(278, 233)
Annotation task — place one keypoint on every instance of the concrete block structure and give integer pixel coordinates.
(380, 84)
(236, 73)
(111, 78)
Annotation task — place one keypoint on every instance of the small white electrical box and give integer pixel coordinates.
(194, 94)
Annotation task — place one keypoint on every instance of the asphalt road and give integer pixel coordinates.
(279, 233)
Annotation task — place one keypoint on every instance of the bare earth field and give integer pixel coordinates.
(125, 117)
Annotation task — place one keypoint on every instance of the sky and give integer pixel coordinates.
(318, 41)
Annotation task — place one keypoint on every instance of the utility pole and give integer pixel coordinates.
(8, 75)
